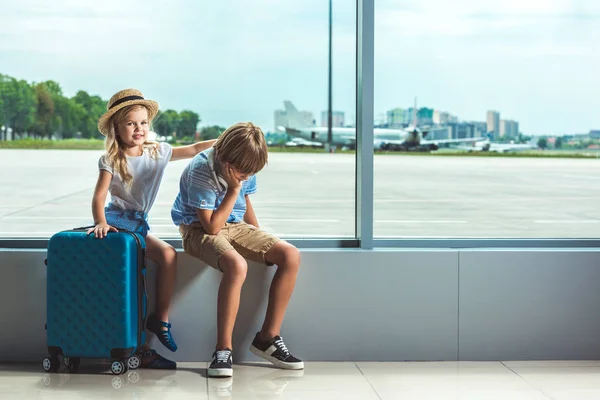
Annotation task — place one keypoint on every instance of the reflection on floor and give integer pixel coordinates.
(320, 380)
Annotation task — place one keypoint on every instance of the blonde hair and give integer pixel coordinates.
(243, 146)
(114, 144)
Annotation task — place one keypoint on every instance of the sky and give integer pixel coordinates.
(534, 61)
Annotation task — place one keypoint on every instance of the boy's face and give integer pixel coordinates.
(237, 174)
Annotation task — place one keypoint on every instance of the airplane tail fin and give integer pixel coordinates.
(415, 122)
(294, 119)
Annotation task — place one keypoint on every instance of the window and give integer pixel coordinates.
(497, 79)
(224, 62)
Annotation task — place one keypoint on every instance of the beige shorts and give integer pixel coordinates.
(250, 242)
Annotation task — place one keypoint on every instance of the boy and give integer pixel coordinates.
(218, 225)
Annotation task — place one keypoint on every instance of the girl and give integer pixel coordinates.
(131, 170)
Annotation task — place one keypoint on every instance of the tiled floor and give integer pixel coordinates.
(561, 380)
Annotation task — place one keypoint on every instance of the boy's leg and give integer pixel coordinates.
(234, 268)
(216, 251)
(267, 343)
(287, 259)
(166, 257)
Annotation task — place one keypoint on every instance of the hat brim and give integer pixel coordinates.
(104, 121)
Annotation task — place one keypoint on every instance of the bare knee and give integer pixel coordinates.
(169, 257)
(285, 256)
(234, 266)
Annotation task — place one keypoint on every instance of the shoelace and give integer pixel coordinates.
(279, 343)
(167, 337)
(223, 355)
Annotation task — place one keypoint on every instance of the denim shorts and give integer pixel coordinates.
(134, 221)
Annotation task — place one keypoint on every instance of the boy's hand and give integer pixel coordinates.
(230, 178)
(101, 230)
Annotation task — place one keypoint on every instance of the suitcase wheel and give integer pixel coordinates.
(134, 362)
(51, 364)
(118, 367)
(72, 364)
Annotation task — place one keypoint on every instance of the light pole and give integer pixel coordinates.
(329, 95)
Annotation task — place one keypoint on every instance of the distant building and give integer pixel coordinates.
(337, 119)
(509, 129)
(443, 118)
(425, 116)
(493, 122)
(465, 130)
(480, 128)
(396, 118)
(595, 134)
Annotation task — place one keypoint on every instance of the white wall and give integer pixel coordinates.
(385, 305)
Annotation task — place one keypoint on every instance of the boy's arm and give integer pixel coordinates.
(213, 220)
(183, 152)
(250, 216)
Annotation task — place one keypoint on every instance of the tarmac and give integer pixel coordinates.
(312, 195)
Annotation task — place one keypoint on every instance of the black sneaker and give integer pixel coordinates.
(275, 351)
(221, 364)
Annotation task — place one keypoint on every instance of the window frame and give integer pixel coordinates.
(364, 176)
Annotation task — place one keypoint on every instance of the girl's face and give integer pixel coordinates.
(133, 130)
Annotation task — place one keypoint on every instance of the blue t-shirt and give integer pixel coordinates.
(201, 187)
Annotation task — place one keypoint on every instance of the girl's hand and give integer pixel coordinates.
(101, 230)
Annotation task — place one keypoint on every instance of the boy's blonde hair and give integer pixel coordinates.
(114, 145)
(242, 145)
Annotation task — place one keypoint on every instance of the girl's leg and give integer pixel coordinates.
(166, 257)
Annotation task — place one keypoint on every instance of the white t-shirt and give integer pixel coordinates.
(147, 173)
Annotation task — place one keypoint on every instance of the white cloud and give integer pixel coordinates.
(234, 59)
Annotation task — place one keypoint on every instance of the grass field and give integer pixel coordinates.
(97, 144)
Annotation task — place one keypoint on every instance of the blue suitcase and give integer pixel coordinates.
(96, 299)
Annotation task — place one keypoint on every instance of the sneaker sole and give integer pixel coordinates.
(274, 361)
(220, 372)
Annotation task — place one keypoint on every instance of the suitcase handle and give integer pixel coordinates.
(83, 228)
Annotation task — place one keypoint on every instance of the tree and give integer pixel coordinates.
(68, 117)
(44, 111)
(94, 107)
(166, 123)
(24, 106)
(542, 143)
(61, 116)
(2, 122)
(98, 107)
(211, 132)
(53, 88)
(7, 103)
(558, 143)
(188, 123)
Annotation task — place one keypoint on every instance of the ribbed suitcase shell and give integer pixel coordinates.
(96, 297)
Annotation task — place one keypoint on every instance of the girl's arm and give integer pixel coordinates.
(182, 152)
(102, 228)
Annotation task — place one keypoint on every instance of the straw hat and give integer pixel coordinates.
(124, 98)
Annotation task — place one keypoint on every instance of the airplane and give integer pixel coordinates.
(403, 139)
(493, 147)
(299, 142)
